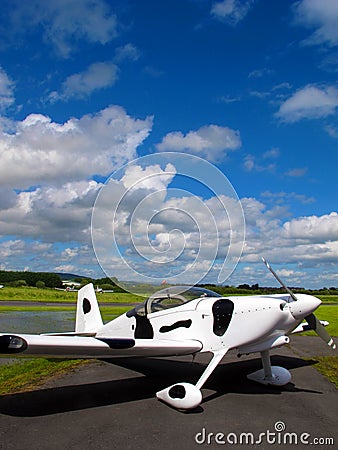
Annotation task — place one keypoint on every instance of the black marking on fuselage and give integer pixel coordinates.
(174, 326)
(118, 343)
(86, 306)
(143, 329)
(222, 311)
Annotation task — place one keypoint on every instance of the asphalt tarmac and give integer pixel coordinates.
(106, 406)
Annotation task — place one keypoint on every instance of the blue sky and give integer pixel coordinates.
(250, 86)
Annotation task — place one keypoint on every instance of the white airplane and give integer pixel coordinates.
(176, 321)
(103, 291)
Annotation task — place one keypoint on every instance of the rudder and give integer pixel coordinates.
(88, 315)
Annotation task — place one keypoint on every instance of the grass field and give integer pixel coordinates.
(32, 294)
(25, 375)
(328, 366)
(328, 298)
(329, 313)
(52, 295)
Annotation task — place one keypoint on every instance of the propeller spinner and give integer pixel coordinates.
(311, 319)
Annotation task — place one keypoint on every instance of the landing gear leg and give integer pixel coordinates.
(186, 395)
(273, 375)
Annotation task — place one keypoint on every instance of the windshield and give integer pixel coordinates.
(171, 297)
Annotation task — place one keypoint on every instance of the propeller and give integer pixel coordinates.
(292, 295)
(311, 319)
(318, 328)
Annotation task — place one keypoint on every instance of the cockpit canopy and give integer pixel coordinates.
(171, 297)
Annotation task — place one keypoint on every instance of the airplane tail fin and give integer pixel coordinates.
(88, 315)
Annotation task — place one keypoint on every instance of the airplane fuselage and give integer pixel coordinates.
(218, 322)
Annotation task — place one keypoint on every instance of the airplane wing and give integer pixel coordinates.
(68, 346)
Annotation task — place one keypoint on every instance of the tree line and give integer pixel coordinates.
(14, 278)
(255, 289)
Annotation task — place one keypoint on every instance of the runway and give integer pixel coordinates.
(106, 406)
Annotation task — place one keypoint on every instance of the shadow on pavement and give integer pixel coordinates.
(157, 374)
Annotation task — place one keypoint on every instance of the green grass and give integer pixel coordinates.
(33, 294)
(111, 312)
(27, 375)
(52, 295)
(328, 366)
(328, 298)
(119, 298)
(329, 313)
(4, 309)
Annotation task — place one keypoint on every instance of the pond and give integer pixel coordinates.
(35, 322)
(31, 322)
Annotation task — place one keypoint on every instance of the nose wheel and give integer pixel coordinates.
(270, 375)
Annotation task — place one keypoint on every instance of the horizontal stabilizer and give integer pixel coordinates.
(70, 333)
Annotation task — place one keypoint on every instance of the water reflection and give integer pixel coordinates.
(36, 321)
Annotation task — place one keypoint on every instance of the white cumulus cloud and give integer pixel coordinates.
(314, 228)
(150, 177)
(52, 214)
(310, 102)
(127, 52)
(64, 22)
(97, 76)
(308, 241)
(6, 90)
(39, 151)
(211, 142)
(320, 15)
(148, 220)
(231, 11)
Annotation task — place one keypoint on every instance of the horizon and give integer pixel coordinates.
(124, 283)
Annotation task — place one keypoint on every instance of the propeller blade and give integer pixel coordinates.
(279, 280)
(316, 326)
